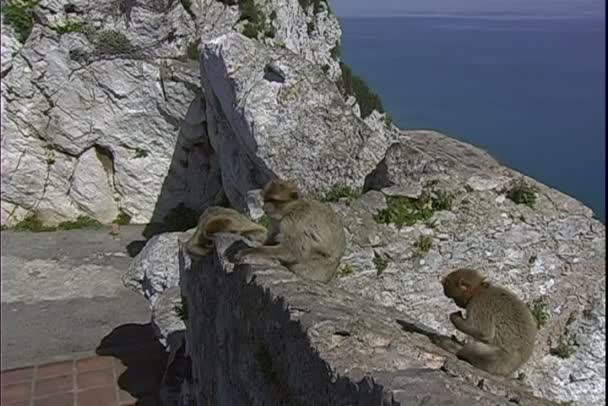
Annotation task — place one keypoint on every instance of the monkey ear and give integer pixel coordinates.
(463, 284)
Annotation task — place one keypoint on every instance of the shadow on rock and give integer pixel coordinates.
(144, 358)
(135, 247)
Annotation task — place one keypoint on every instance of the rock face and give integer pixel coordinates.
(102, 109)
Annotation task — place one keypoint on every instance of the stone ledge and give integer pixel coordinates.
(261, 336)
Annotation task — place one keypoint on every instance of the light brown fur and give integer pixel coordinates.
(217, 219)
(310, 239)
(501, 327)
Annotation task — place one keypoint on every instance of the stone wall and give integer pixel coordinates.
(258, 335)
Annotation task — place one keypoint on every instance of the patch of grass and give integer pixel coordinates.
(32, 223)
(122, 219)
(110, 42)
(80, 223)
(351, 84)
(264, 360)
(345, 270)
(442, 201)
(180, 218)
(540, 312)
(339, 191)
(141, 153)
(522, 193)
(423, 245)
(380, 262)
(19, 14)
(50, 160)
(69, 26)
(181, 309)
(565, 348)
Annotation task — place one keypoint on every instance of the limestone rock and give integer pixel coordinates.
(165, 317)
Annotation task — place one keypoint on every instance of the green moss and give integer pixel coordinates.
(181, 309)
(264, 360)
(407, 211)
(69, 26)
(180, 218)
(122, 219)
(565, 348)
(380, 262)
(110, 42)
(19, 14)
(33, 223)
(141, 153)
(522, 193)
(423, 245)
(317, 5)
(339, 191)
(540, 312)
(442, 201)
(50, 161)
(80, 223)
(351, 84)
(345, 270)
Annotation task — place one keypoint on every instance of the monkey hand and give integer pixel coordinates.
(456, 317)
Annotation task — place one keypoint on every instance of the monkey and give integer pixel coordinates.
(217, 219)
(310, 239)
(501, 327)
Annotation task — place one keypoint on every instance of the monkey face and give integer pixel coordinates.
(277, 194)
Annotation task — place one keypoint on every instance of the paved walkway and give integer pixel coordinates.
(62, 294)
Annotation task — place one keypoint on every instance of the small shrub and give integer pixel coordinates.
(34, 224)
(317, 7)
(540, 312)
(404, 211)
(532, 259)
(265, 221)
(351, 84)
(380, 262)
(80, 223)
(565, 348)
(522, 193)
(338, 192)
(122, 219)
(19, 14)
(181, 309)
(110, 42)
(192, 50)
(141, 153)
(345, 270)
(69, 26)
(50, 160)
(423, 245)
(180, 218)
(442, 201)
(251, 31)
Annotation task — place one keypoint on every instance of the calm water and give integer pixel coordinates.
(529, 91)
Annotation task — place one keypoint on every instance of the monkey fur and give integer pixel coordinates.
(501, 327)
(310, 239)
(217, 219)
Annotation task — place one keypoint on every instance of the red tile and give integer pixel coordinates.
(125, 397)
(55, 369)
(49, 386)
(63, 399)
(93, 363)
(94, 379)
(105, 396)
(16, 392)
(17, 375)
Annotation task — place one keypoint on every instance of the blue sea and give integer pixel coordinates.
(530, 91)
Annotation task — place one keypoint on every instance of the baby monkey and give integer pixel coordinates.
(310, 238)
(501, 327)
(217, 219)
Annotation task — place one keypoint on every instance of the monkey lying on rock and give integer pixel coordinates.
(502, 329)
(310, 239)
(217, 219)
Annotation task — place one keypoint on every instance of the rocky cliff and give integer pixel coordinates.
(119, 107)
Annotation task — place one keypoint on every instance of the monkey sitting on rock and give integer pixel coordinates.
(217, 219)
(310, 239)
(501, 326)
